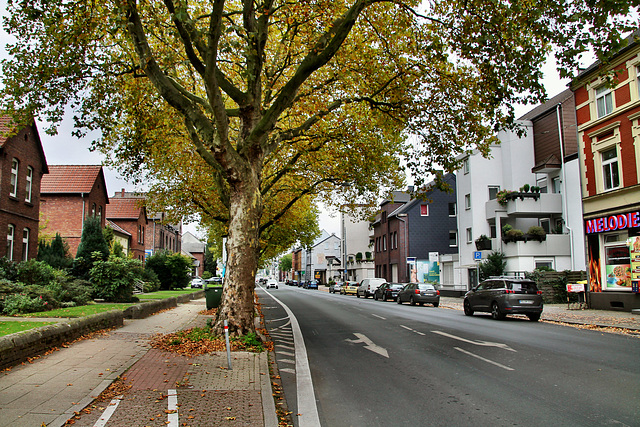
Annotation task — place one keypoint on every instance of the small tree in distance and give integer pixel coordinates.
(92, 242)
(55, 253)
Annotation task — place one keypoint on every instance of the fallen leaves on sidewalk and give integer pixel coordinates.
(196, 341)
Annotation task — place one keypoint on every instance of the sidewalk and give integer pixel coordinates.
(54, 388)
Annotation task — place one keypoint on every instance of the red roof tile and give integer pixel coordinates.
(70, 179)
(117, 228)
(6, 126)
(119, 208)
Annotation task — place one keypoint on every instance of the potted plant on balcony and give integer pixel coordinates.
(537, 233)
(513, 235)
(359, 257)
(483, 243)
(367, 255)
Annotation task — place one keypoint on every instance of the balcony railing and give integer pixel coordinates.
(543, 206)
(554, 245)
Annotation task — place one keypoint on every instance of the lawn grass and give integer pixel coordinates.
(11, 327)
(166, 294)
(80, 311)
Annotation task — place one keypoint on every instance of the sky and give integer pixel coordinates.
(66, 149)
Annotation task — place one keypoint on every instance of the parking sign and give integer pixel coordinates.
(477, 255)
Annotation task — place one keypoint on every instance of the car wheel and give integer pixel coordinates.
(534, 317)
(412, 301)
(420, 304)
(276, 286)
(435, 304)
(375, 297)
(398, 300)
(467, 308)
(357, 294)
(495, 311)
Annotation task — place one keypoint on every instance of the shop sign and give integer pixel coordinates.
(612, 223)
(575, 287)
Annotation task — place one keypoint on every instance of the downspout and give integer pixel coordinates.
(564, 189)
(83, 206)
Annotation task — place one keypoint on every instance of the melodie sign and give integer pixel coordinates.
(612, 222)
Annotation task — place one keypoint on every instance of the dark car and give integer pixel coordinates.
(312, 284)
(387, 290)
(505, 295)
(419, 293)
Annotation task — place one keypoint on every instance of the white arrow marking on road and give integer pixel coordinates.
(480, 343)
(369, 345)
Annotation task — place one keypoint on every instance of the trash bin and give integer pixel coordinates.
(213, 295)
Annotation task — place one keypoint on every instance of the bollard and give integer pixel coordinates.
(226, 337)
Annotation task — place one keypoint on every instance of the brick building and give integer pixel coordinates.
(70, 194)
(161, 234)
(411, 237)
(22, 165)
(130, 215)
(609, 139)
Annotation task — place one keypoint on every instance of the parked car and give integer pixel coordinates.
(272, 283)
(387, 290)
(335, 287)
(294, 283)
(368, 286)
(505, 295)
(197, 282)
(312, 284)
(349, 288)
(419, 293)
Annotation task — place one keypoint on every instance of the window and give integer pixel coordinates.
(453, 238)
(604, 101)
(542, 183)
(25, 244)
(492, 230)
(27, 197)
(545, 264)
(465, 166)
(10, 237)
(493, 192)
(384, 243)
(93, 209)
(469, 235)
(555, 185)
(453, 209)
(546, 225)
(13, 192)
(424, 210)
(467, 201)
(99, 211)
(610, 169)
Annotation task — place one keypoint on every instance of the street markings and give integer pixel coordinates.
(480, 343)
(379, 317)
(484, 360)
(369, 345)
(172, 406)
(412, 330)
(106, 415)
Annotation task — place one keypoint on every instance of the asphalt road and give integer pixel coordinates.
(379, 364)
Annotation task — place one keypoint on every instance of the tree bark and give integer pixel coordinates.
(243, 249)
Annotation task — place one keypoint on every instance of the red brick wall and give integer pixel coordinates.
(136, 249)
(582, 95)
(623, 95)
(627, 151)
(63, 213)
(583, 115)
(25, 147)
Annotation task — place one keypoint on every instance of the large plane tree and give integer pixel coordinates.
(247, 110)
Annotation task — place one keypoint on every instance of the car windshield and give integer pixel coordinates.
(425, 287)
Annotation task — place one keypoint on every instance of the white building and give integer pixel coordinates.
(319, 258)
(357, 261)
(533, 160)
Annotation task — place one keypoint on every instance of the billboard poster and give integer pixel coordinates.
(634, 253)
(428, 272)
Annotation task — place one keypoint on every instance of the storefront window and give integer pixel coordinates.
(618, 262)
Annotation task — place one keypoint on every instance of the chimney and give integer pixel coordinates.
(123, 192)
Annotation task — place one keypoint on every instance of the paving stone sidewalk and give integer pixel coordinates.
(55, 387)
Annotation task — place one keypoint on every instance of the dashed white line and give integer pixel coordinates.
(412, 330)
(108, 413)
(484, 360)
(379, 317)
(172, 403)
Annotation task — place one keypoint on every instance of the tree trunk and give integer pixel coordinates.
(237, 305)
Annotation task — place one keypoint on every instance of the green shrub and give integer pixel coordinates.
(207, 275)
(68, 289)
(8, 269)
(173, 269)
(7, 288)
(47, 295)
(34, 272)
(537, 233)
(55, 253)
(23, 303)
(113, 279)
(494, 265)
(151, 282)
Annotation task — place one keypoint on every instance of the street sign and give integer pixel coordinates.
(477, 255)
(411, 260)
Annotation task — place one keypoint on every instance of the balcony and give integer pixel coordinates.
(554, 245)
(542, 206)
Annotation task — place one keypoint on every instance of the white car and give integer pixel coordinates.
(197, 282)
(272, 283)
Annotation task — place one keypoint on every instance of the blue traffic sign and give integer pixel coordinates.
(477, 255)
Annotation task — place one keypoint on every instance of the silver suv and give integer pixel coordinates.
(505, 295)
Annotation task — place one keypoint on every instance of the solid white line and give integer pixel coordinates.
(484, 360)
(306, 395)
(379, 317)
(406, 327)
(172, 403)
(111, 409)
